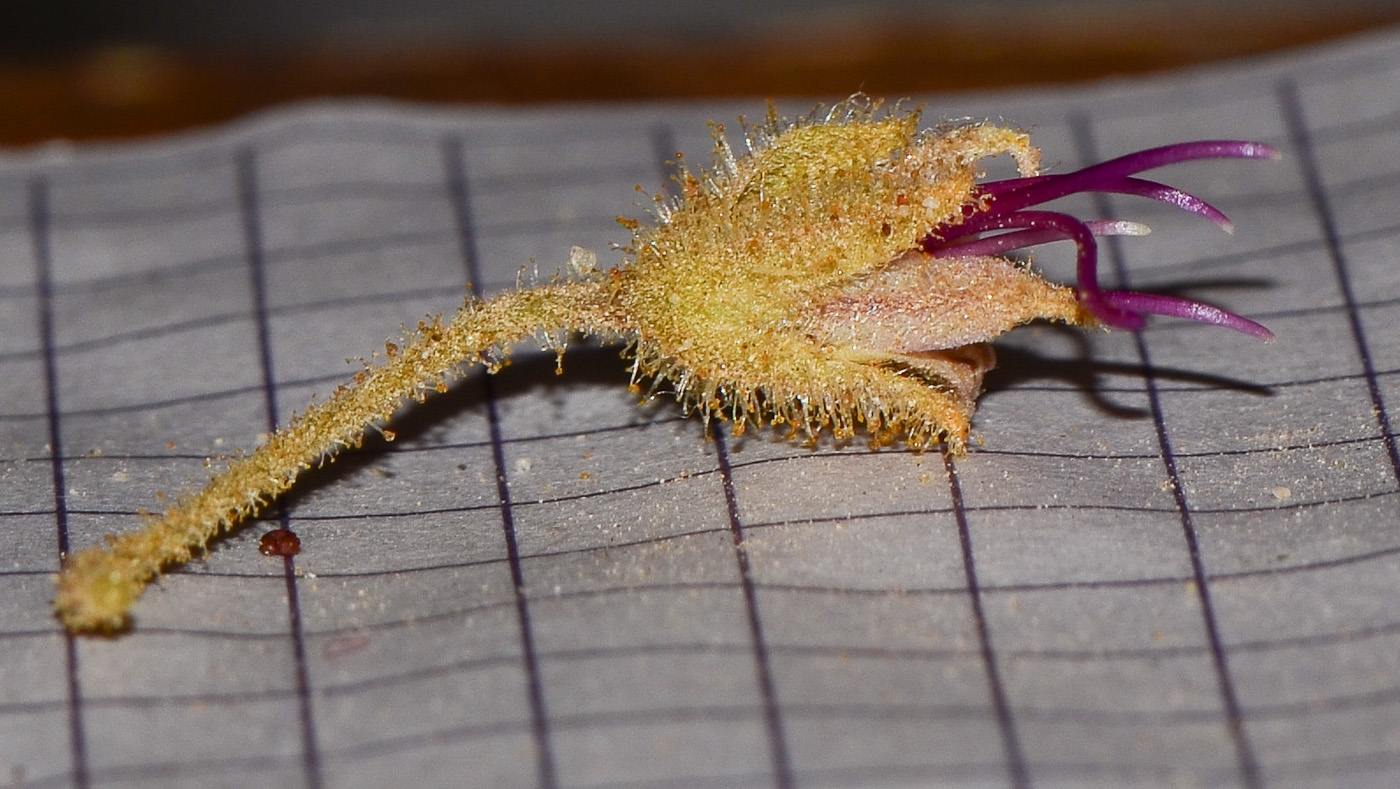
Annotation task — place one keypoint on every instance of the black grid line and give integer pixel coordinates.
(832, 451)
(1302, 143)
(1348, 130)
(1330, 768)
(1086, 655)
(1383, 696)
(664, 149)
(783, 777)
(246, 767)
(250, 214)
(1350, 635)
(40, 235)
(965, 771)
(339, 190)
(1248, 763)
(658, 420)
(1343, 560)
(818, 521)
(459, 194)
(1018, 770)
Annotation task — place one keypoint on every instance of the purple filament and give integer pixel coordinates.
(1139, 187)
(1155, 304)
(1009, 242)
(1002, 206)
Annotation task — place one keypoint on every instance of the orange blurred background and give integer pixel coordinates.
(102, 70)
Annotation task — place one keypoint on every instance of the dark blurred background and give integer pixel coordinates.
(94, 70)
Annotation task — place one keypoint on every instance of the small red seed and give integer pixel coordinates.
(280, 542)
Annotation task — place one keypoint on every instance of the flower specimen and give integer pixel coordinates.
(846, 272)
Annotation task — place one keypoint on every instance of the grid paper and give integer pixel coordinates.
(1173, 559)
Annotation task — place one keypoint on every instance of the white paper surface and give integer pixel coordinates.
(1173, 563)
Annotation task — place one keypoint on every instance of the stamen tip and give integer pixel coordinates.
(1260, 150)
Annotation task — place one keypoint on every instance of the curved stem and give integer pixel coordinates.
(98, 586)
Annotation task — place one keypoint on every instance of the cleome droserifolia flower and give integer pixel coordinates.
(845, 273)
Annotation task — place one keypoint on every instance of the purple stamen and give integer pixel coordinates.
(967, 246)
(1157, 304)
(1095, 178)
(1063, 226)
(1137, 187)
(1003, 203)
